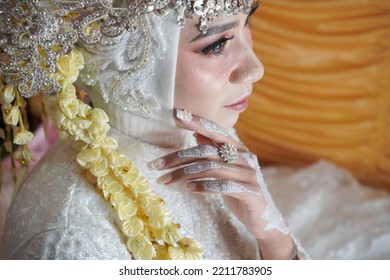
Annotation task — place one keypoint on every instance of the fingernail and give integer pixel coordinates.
(184, 115)
(165, 178)
(191, 186)
(156, 164)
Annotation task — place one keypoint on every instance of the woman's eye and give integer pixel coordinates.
(216, 47)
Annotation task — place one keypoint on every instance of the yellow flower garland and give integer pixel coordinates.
(12, 105)
(145, 222)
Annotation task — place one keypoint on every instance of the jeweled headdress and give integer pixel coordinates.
(37, 57)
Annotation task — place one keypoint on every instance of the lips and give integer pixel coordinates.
(240, 105)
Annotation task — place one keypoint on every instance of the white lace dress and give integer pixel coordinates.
(333, 215)
(58, 215)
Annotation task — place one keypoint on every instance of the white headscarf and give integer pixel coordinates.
(132, 78)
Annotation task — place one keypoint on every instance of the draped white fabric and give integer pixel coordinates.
(332, 214)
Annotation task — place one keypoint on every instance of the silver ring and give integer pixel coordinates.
(228, 153)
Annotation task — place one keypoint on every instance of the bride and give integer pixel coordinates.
(154, 170)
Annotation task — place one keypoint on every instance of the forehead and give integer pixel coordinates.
(191, 27)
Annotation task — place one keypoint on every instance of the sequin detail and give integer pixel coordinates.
(204, 166)
(200, 151)
(184, 115)
(156, 164)
(212, 127)
(225, 186)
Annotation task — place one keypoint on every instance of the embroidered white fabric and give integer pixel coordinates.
(132, 78)
(58, 215)
(331, 213)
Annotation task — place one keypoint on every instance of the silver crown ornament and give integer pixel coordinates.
(34, 33)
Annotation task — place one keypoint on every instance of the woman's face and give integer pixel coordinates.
(215, 71)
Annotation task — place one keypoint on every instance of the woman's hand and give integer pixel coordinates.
(222, 165)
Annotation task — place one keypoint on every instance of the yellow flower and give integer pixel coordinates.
(97, 132)
(175, 253)
(132, 227)
(120, 200)
(87, 156)
(154, 210)
(83, 136)
(70, 65)
(110, 184)
(23, 155)
(127, 173)
(57, 77)
(148, 253)
(159, 222)
(75, 130)
(117, 159)
(77, 59)
(106, 179)
(70, 107)
(10, 114)
(113, 188)
(99, 167)
(84, 110)
(99, 117)
(23, 137)
(67, 90)
(191, 250)
(141, 247)
(141, 185)
(126, 212)
(110, 144)
(82, 123)
(171, 234)
(7, 94)
(61, 121)
(148, 199)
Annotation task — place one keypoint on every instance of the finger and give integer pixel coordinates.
(203, 170)
(223, 187)
(203, 140)
(191, 155)
(185, 156)
(207, 128)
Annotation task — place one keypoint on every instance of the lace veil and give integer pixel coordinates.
(132, 78)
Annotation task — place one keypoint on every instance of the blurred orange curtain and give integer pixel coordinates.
(326, 89)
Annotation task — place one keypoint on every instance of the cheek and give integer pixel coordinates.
(197, 82)
(193, 91)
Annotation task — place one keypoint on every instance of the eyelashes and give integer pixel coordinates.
(217, 47)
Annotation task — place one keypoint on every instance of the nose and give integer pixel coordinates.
(249, 70)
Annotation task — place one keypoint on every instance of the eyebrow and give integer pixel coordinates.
(215, 29)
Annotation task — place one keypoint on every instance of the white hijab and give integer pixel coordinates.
(132, 78)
